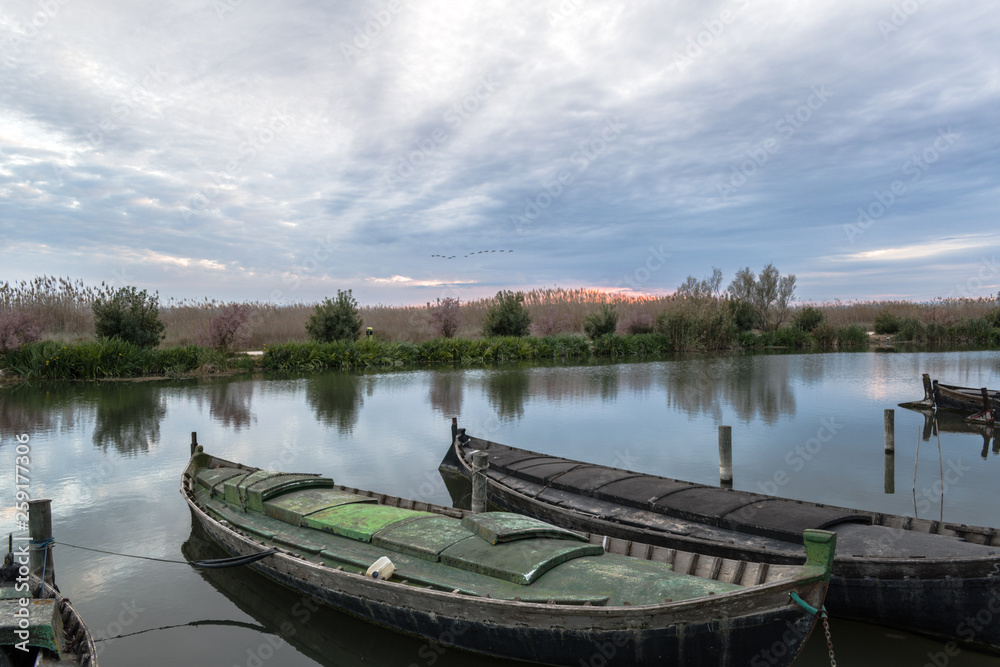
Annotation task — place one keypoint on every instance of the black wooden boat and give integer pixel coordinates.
(501, 584)
(982, 403)
(920, 575)
(38, 625)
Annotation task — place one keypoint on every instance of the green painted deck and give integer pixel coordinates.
(359, 521)
(521, 562)
(498, 527)
(499, 554)
(291, 507)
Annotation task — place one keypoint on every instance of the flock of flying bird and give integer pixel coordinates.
(470, 254)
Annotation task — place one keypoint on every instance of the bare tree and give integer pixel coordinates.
(693, 288)
(768, 295)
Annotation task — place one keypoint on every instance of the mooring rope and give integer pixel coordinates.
(217, 563)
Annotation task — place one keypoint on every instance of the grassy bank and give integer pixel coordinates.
(107, 359)
(90, 360)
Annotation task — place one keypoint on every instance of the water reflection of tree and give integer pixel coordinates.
(507, 391)
(336, 398)
(229, 403)
(753, 386)
(447, 392)
(128, 417)
(31, 408)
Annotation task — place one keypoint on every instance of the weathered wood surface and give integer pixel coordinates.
(922, 575)
(727, 628)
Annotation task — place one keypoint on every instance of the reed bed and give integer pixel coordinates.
(61, 308)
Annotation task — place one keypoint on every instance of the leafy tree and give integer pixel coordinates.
(507, 315)
(808, 319)
(601, 323)
(335, 319)
(886, 322)
(768, 294)
(129, 315)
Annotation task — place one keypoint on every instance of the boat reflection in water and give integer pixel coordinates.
(289, 620)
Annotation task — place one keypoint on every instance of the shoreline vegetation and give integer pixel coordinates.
(47, 331)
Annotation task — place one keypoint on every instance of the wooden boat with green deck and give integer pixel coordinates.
(38, 625)
(505, 585)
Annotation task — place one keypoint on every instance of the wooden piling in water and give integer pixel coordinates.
(40, 528)
(890, 473)
(194, 441)
(890, 430)
(480, 463)
(726, 456)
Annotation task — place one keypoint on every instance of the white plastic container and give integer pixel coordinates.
(381, 569)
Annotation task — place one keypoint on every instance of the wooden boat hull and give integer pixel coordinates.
(873, 581)
(76, 644)
(726, 629)
(982, 403)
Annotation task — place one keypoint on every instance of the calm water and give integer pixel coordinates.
(804, 426)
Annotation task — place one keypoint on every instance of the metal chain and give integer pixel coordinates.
(829, 639)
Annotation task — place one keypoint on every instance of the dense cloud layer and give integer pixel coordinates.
(411, 150)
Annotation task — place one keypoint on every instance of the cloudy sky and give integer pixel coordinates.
(412, 149)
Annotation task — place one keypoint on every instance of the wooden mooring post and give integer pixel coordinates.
(890, 472)
(890, 430)
(40, 529)
(726, 456)
(480, 463)
(194, 441)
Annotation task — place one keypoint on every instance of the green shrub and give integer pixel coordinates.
(886, 322)
(910, 329)
(743, 315)
(507, 316)
(129, 315)
(825, 336)
(601, 323)
(679, 327)
(807, 319)
(335, 319)
(853, 335)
